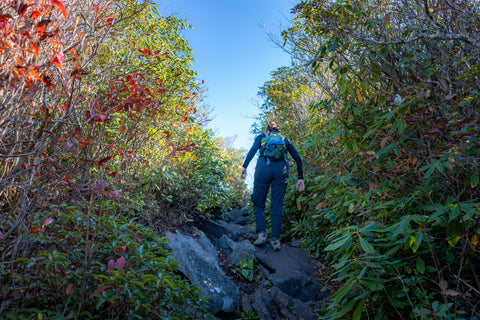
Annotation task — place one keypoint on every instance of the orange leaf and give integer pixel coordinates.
(69, 289)
(35, 14)
(73, 54)
(35, 74)
(60, 7)
(35, 230)
(34, 48)
(95, 7)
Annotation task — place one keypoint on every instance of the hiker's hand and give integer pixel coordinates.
(243, 173)
(300, 185)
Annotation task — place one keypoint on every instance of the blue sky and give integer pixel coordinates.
(234, 55)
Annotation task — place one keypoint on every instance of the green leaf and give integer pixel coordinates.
(367, 247)
(420, 265)
(454, 232)
(358, 310)
(418, 241)
(339, 242)
(474, 180)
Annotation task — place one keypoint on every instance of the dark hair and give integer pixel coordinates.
(272, 126)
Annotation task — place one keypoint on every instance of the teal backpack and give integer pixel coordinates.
(273, 146)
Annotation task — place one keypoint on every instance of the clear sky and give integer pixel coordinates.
(234, 55)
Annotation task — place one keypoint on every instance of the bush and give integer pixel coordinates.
(84, 261)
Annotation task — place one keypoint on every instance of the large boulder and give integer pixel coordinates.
(199, 262)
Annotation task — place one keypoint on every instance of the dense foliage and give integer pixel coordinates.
(102, 142)
(382, 99)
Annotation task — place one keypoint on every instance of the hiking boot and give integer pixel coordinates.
(261, 239)
(275, 245)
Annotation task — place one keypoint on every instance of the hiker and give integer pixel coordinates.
(272, 169)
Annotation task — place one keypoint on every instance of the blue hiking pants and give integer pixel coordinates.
(268, 174)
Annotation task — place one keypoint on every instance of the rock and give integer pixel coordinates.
(225, 243)
(303, 311)
(215, 229)
(238, 216)
(262, 300)
(199, 262)
(241, 251)
(296, 243)
(292, 270)
(280, 297)
(236, 251)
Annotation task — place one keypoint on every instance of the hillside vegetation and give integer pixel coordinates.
(382, 99)
(103, 147)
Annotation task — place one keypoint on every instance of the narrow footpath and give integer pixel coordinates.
(241, 281)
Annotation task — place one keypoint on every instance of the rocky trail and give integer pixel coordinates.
(242, 281)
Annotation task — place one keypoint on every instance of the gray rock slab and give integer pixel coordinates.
(199, 262)
(215, 229)
(292, 270)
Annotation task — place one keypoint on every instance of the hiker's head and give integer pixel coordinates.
(272, 126)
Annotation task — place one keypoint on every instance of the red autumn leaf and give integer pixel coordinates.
(130, 265)
(37, 175)
(23, 166)
(35, 14)
(120, 263)
(98, 291)
(69, 146)
(67, 177)
(5, 17)
(95, 7)
(101, 162)
(68, 290)
(122, 128)
(60, 7)
(47, 222)
(34, 48)
(110, 265)
(100, 187)
(35, 230)
(109, 20)
(121, 249)
(184, 117)
(112, 174)
(35, 73)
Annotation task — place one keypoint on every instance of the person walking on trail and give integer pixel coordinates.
(272, 170)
